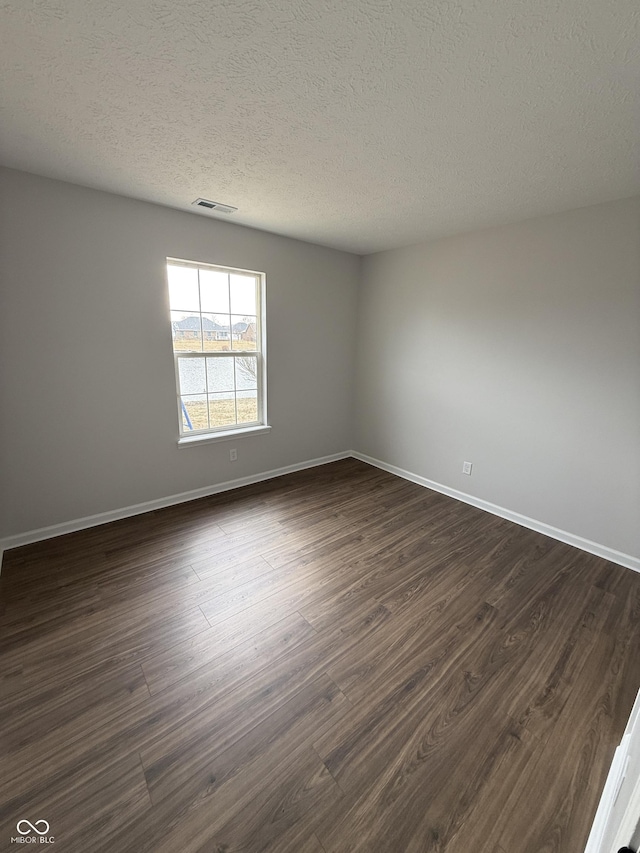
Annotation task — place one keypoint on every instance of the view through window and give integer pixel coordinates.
(217, 327)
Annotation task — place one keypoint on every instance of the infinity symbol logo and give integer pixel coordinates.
(32, 827)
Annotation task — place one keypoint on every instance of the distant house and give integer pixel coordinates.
(189, 329)
(247, 333)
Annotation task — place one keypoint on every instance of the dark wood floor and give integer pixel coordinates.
(337, 660)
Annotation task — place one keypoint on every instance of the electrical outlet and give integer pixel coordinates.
(233, 455)
(466, 468)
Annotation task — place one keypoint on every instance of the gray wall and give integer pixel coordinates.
(89, 420)
(518, 349)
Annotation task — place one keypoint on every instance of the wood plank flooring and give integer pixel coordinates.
(333, 661)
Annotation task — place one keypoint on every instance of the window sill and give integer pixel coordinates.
(209, 438)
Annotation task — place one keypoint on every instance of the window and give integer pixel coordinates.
(217, 323)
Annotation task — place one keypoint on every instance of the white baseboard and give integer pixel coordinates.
(41, 533)
(614, 556)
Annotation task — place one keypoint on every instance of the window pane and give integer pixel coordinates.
(243, 328)
(220, 374)
(214, 291)
(215, 332)
(222, 409)
(246, 372)
(183, 288)
(243, 294)
(187, 332)
(247, 406)
(194, 412)
(192, 378)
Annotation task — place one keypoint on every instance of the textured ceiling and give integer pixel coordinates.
(360, 124)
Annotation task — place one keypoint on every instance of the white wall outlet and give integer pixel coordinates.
(233, 455)
(466, 468)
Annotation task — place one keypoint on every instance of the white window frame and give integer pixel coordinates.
(260, 425)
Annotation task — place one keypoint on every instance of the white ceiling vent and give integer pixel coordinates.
(214, 205)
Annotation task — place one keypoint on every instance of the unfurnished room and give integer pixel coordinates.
(320, 426)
